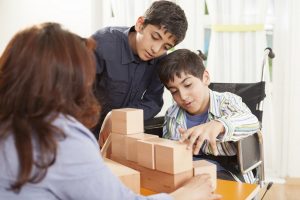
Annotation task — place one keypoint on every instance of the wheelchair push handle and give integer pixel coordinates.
(201, 55)
(270, 52)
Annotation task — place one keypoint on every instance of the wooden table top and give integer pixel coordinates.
(230, 190)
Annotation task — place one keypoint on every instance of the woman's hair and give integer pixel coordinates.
(44, 71)
(181, 60)
(169, 15)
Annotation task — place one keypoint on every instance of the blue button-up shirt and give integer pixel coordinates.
(123, 79)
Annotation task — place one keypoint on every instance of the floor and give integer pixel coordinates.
(288, 191)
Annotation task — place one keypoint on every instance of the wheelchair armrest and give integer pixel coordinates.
(250, 153)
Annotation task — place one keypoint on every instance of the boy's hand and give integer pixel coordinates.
(198, 134)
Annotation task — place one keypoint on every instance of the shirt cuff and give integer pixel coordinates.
(229, 129)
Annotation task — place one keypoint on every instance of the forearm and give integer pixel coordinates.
(236, 118)
(238, 126)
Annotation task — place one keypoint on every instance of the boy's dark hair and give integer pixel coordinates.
(181, 60)
(168, 15)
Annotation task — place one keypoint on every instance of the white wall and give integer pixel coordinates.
(287, 86)
(79, 16)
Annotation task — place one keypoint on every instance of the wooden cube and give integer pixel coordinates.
(118, 145)
(205, 167)
(163, 182)
(171, 156)
(127, 121)
(158, 181)
(131, 141)
(128, 176)
(145, 154)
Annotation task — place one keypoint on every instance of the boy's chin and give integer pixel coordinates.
(145, 58)
(193, 112)
(190, 112)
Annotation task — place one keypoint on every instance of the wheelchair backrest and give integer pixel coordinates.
(252, 94)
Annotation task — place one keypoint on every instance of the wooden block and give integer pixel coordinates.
(131, 141)
(128, 176)
(108, 152)
(127, 121)
(172, 156)
(163, 182)
(205, 167)
(106, 147)
(118, 145)
(158, 181)
(145, 154)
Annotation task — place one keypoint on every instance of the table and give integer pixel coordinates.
(230, 190)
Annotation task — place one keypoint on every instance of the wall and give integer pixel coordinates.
(287, 86)
(79, 16)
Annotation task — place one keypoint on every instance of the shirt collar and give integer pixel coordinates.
(213, 105)
(127, 53)
(177, 113)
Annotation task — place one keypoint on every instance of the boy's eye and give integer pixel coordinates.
(173, 91)
(188, 85)
(167, 47)
(155, 37)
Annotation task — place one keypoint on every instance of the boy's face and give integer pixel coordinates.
(190, 93)
(152, 41)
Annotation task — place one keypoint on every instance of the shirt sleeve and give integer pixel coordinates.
(100, 62)
(80, 172)
(237, 118)
(171, 125)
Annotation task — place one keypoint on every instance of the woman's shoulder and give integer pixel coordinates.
(72, 128)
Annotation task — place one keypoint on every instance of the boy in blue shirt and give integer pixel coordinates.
(127, 58)
(210, 121)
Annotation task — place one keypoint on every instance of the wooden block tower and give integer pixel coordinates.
(164, 164)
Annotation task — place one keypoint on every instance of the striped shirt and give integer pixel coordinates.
(226, 108)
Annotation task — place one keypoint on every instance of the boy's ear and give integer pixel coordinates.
(139, 25)
(206, 78)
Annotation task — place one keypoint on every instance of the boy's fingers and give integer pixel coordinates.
(192, 141)
(199, 143)
(214, 148)
(184, 134)
(181, 130)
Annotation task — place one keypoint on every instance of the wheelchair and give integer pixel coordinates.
(250, 149)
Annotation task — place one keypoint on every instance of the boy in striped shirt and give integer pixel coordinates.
(210, 121)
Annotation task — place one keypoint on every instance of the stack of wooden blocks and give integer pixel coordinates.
(164, 165)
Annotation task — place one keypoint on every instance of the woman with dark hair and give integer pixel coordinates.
(46, 107)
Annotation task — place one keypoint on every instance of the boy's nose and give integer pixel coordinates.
(183, 96)
(155, 48)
